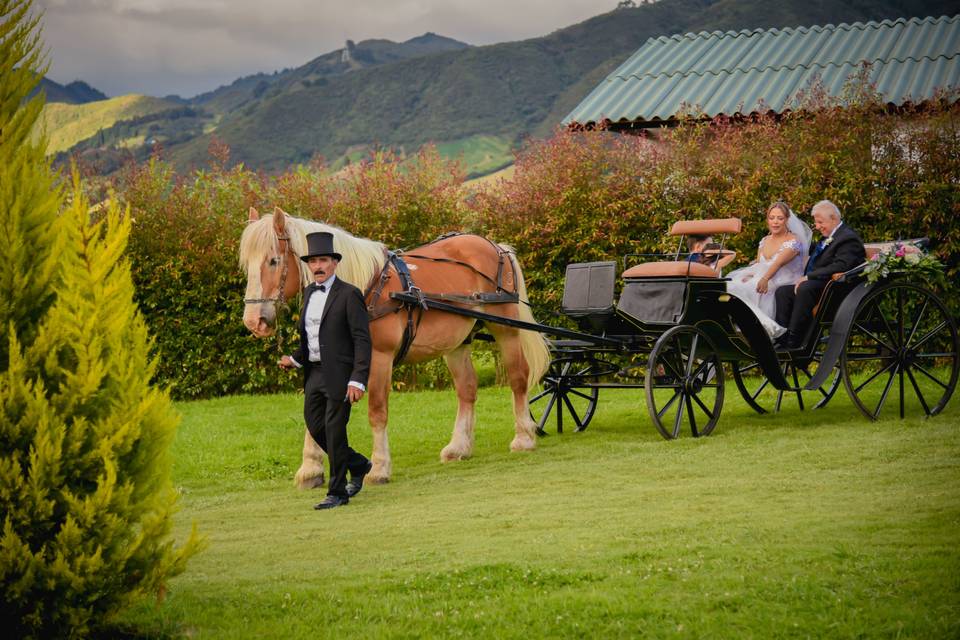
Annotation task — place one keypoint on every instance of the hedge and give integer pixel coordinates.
(578, 196)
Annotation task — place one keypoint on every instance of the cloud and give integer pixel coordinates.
(191, 46)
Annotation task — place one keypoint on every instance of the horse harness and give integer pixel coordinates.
(415, 310)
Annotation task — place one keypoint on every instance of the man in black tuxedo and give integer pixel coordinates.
(334, 352)
(840, 250)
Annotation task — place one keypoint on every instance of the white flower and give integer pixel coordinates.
(826, 243)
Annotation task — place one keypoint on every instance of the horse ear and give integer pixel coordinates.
(253, 215)
(279, 220)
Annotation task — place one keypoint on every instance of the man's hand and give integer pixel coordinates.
(799, 282)
(286, 363)
(354, 394)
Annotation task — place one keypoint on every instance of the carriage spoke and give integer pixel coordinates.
(875, 338)
(581, 394)
(546, 412)
(667, 406)
(763, 385)
(679, 418)
(691, 417)
(900, 382)
(540, 395)
(883, 396)
(751, 366)
(886, 323)
(669, 365)
(874, 376)
(704, 407)
(916, 323)
(929, 375)
(916, 388)
(937, 329)
(693, 353)
(573, 412)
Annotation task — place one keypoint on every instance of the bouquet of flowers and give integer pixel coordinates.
(905, 259)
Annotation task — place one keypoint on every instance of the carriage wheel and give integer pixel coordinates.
(903, 344)
(564, 396)
(763, 397)
(684, 383)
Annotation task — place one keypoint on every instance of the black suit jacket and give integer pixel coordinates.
(843, 253)
(344, 338)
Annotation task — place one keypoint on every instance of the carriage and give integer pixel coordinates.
(676, 333)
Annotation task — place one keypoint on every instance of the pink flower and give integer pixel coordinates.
(900, 252)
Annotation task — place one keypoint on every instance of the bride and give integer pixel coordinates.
(780, 260)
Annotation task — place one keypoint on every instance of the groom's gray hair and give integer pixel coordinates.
(832, 208)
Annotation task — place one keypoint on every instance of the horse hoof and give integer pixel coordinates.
(523, 444)
(375, 477)
(451, 453)
(315, 482)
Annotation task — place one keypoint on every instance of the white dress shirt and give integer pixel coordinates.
(312, 317)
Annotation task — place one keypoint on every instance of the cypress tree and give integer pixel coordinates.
(86, 499)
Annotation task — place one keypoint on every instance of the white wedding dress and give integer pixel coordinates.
(743, 282)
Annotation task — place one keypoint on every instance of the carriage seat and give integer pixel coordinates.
(683, 268)
(680, 268)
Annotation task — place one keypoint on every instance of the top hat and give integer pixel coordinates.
(320, 243)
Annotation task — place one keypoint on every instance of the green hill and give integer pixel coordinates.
(69, 124)
(435, 90)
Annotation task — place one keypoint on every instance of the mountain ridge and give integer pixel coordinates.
(334, 105)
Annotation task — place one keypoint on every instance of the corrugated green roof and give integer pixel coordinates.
(763, 70)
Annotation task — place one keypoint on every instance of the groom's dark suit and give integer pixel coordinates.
(795, 309)
(344, 340)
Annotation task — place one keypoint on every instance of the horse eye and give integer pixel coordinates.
(273, 262)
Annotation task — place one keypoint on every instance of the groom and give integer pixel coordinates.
(840, 250)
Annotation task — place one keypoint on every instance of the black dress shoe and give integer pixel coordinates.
(356, 480)
(786, 342)
(331, 501)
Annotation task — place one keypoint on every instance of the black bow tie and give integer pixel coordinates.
(318, 287)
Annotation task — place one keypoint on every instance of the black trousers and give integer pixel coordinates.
(795, 310)
(326, 419)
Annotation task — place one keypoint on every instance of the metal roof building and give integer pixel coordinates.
(729, 73)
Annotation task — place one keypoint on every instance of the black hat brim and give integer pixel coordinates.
(335, 256)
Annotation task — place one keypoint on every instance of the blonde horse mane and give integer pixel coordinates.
(362, 259)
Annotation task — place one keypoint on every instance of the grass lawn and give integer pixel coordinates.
(812, 524)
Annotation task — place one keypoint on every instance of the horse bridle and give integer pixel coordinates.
(281, 297)
(279, 301)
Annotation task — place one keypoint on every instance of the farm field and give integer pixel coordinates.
(812, 524)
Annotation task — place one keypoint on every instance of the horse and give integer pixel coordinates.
(466, 270)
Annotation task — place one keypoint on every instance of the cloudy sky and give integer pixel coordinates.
(159, 47)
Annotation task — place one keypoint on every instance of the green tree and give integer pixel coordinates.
(86, 499)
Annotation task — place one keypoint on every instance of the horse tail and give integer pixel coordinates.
(532, 343)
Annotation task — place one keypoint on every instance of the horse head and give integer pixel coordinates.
(269, 253)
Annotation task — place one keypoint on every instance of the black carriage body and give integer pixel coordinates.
(660, 315)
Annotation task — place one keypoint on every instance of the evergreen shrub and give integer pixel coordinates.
(86, 499)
